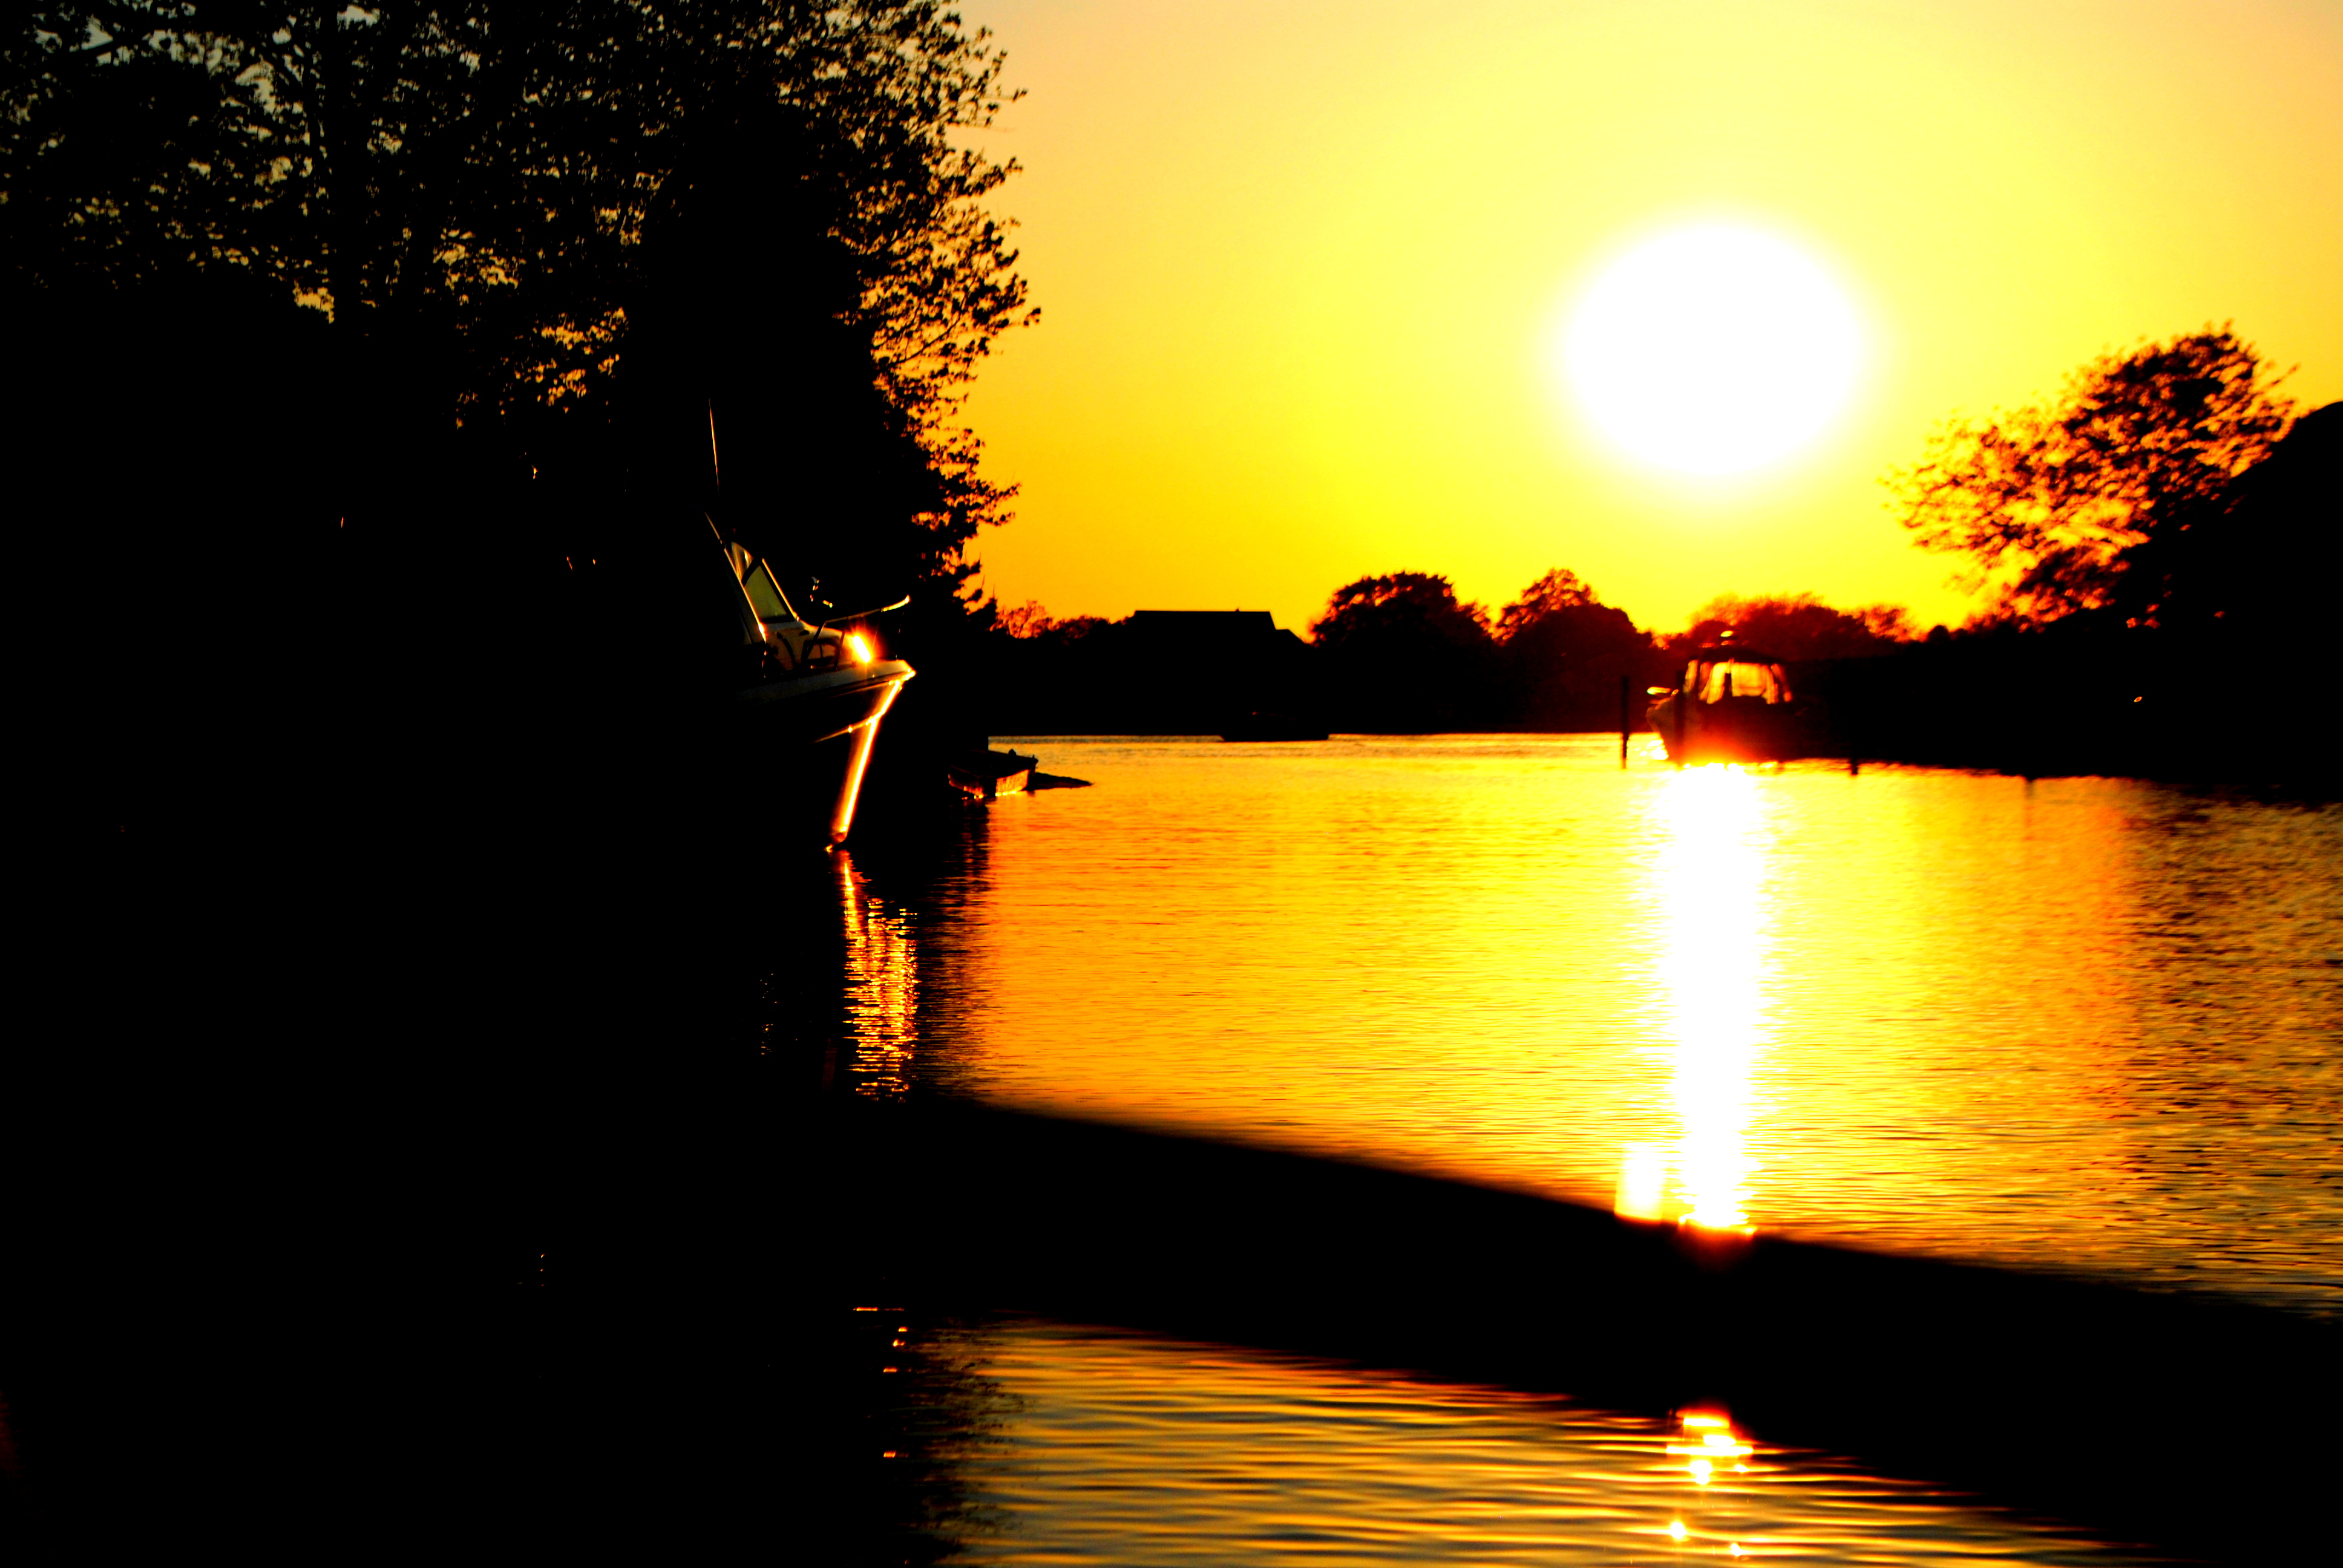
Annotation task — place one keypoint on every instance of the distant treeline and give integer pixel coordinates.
(2192, 647)
(1395, 654)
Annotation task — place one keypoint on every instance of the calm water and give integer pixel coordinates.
(1088, 1446)
(2081, 1023)
(2077, 1024)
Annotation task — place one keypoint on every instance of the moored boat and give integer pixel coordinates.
(810, 715)
(1732, 704)
(988, 775)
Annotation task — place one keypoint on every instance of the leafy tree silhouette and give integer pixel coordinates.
(1565, 652)
(1407, 655)
(1400, 604)
(543, 241)
(1799, 625)
(2060, 506)
(361, 361)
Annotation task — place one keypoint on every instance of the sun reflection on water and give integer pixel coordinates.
(1709, 881)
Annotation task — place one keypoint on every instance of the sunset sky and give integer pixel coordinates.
(1302, 266)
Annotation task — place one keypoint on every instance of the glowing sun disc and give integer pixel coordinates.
(1711, 349)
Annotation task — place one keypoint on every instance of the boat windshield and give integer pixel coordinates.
(1712, 681)
(766, 594)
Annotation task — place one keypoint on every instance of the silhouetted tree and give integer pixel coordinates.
(1403, 603)
(2059, 505)
(1565, 652)
(336, 336)
(1798, 627)
(561, 231)
(2255, 566)
(360, 360)
(1556, 593)
(1029, 620)
(1407, 656)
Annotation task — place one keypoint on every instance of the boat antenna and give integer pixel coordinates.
(715, 464)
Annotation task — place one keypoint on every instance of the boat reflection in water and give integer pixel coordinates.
(882, 985)
(1708, 883)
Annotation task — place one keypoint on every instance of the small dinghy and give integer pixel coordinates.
(989, 775)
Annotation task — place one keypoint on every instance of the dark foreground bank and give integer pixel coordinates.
(2184, 1423)
(630, 1340)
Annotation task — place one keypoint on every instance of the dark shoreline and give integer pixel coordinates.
(2184, 1422)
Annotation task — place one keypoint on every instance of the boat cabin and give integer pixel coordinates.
(1719, 674)
(801, 647)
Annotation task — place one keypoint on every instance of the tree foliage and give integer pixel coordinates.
(1799, 625)
(1566, 653)
(2053, 504)
(1558, 592)
(1558, 619)
(568, 227)
(1399, 607)
(1411, 656)
(1408, 655)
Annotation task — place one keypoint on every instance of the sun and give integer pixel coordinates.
(1711, 349)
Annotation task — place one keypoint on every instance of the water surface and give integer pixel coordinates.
(1072, 1446)
(2083, 1023)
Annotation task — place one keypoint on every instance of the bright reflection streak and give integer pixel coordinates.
(1718, 1443)
(882, 984)
(1642, 1182)
(1710, 883)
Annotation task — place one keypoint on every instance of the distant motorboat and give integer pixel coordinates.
(812, 714)
(1733, 704)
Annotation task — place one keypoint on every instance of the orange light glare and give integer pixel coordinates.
(1676, 1530)
(860, 647)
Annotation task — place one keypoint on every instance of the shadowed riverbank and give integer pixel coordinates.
(2178, 1421)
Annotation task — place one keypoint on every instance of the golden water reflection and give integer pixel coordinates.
(1112, 1447)
(882, 983)
(1708, 882)
(2085, 1023)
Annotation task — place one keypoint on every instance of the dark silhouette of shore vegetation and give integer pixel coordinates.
(399, 907)
(2153, 546)
(437, 304)
(1396, 653)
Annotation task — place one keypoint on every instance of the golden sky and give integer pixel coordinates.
(1300, 262)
